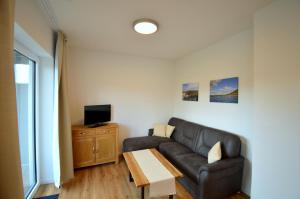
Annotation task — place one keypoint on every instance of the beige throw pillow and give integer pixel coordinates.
(169, 130)
(215, 153)
(159, 130)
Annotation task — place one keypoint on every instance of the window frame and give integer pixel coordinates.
(26, 52)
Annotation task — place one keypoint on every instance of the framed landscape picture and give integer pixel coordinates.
(190, 91)
(225, 90)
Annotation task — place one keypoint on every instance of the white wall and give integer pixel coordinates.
(46, 89)
(232, 57)
(139, 89)
(276, 137)
(29, 16)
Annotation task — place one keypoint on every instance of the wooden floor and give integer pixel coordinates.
(109, 181)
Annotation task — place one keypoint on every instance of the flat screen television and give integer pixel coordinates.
(97, 115)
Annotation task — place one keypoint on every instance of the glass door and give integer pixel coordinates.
(24, 69)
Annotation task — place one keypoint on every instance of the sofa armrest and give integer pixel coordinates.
(222, 165)
(225, 175)
(150, 132)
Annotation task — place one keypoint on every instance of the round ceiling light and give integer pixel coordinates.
(145, 26)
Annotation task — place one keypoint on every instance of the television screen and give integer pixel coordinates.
(97, 114)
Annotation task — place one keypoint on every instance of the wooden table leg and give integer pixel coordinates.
(142, 193)
(130, 177)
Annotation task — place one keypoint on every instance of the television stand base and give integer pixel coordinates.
(96, 125)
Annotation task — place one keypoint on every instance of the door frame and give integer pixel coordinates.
(26, 52)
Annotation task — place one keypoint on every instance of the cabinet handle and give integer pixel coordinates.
(82, 133)
(93, 149)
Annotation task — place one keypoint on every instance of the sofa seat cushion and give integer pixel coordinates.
(146, 142)
(190, 164)
(173, 149)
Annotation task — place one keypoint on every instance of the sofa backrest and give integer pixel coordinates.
(185, 132)
(230, 143)
(200, 138)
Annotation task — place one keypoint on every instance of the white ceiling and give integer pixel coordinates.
(185, 25)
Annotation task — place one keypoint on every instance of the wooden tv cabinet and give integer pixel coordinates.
(92, 146)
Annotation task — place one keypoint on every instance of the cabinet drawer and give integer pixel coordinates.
(105, 131)
(83, 133)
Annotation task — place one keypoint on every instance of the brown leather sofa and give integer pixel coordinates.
(188, 149)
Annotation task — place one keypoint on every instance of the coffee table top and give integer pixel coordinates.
(138, 176)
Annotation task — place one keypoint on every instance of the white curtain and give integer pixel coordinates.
(62, 139)
(10, 164)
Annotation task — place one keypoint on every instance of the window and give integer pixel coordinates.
(24, 69)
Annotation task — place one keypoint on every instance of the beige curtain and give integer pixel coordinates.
(63, 158)
(10, 165)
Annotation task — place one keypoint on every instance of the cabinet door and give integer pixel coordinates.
(83, 151)
(105, 148)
